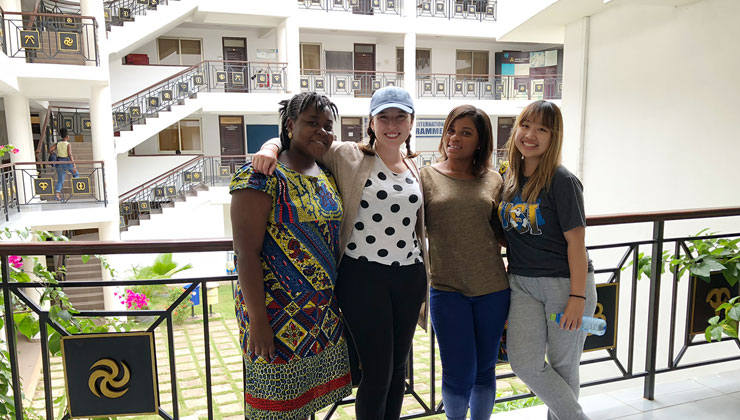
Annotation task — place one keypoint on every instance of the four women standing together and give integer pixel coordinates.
(382, 270)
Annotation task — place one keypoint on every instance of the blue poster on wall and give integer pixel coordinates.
(258, 134)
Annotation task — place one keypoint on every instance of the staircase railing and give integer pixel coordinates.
(2, 31)
(209, 76)
(51, 38)
(176, 184)
(118, 12)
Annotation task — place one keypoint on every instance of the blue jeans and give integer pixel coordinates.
(468, 332)
(62, 169)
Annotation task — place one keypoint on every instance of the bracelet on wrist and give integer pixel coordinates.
(578, 296)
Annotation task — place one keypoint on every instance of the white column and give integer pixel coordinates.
(95, 9)
(289, 51)
(575, 84)
(109, 231)
(409, 73)
(20, 135)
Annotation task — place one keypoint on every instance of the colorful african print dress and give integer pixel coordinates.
(299, 262)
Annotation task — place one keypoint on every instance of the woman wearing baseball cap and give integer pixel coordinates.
(382, 282)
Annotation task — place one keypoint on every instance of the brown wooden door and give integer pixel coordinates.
(365, 68)
(231, 129)
(235, 57)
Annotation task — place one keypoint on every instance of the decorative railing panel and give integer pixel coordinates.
(348, 82)
(174, 185)
(481, 10)
(51, 38)
(485, 86)
(429, 158)
(2, 31)
(118, 12)
(207, 76)
(359, 7)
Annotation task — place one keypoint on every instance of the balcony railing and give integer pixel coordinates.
(358, 7)
(348, 82)
(63, 7)
(207, 76)
(2, 31)
(489, 86)
(32, 183)
(51, 38)
(174, 185)
(481, 10)
(429, 158)
(118, 12)
(611, 358)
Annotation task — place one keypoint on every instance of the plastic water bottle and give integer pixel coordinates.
(590, 325)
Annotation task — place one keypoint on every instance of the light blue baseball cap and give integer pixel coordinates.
(391, 97)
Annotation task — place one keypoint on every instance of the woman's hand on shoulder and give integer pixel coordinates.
(265, 161)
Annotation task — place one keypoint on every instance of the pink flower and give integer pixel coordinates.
(16, 261)
(15, 150)
(134, 300)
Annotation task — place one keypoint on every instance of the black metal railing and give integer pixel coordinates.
(2, 31)
(481, 10)
(208, 76)
(348, 82)
(51, 38)
(429, 158)
(59, 7)
(176, 184)
(8, 190)
(359, 7)
(489, 86)
(118, 12)
(619, 352)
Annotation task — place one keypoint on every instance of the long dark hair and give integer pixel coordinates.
(291, 108)
(482, 156)
(369, 147)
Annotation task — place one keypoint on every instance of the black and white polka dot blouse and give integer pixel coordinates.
(384, 228)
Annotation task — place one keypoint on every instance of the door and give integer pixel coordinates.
(505, 124)
(231, 130)
(235, 64)
(365, 68)
(352, 129)
(258, 134)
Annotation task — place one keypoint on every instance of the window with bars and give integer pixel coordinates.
(179, 51)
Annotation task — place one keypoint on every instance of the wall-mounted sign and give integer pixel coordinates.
(109, 375)
(43, 186)
(68, 41)
(80, 186)
(429, 128)
(30, 39)
(607, 308)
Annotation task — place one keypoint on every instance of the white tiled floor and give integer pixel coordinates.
(715, 397)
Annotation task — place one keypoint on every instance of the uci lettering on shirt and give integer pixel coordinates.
(523, 217)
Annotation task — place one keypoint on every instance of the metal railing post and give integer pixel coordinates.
(10, 337)
(653, 307)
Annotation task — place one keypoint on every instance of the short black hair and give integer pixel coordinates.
(63, 133)
(291, 108)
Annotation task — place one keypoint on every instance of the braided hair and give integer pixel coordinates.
(369, 147)
(291, 108)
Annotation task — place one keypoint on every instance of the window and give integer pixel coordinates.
(184, 135)
(310, 58)
(468, 63)
(423, 60)
(339, 60)
(179, 51)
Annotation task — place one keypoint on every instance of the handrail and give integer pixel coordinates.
(45, 125)
(180, 73)
(351, 71)
(159, 178)
(114, 247)
(659, 216)
(490, 75)
(50, 15)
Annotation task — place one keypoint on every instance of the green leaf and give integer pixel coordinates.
(734, 313)
(705, 268)
(85, 258)
(28, 326)
(55, 344)
(713, 332)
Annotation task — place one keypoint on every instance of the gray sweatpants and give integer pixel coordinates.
(531, 337)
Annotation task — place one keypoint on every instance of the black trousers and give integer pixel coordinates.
(380, 305)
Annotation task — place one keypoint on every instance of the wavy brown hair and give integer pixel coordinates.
(549, 115)
(482, 156)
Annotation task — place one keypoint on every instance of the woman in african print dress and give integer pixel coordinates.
(286, 237)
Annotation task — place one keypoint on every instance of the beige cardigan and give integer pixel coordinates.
(351, 168)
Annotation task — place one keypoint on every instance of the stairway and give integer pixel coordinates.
(81, 151)
(85, 298)
(149, 127)
(144, 27)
